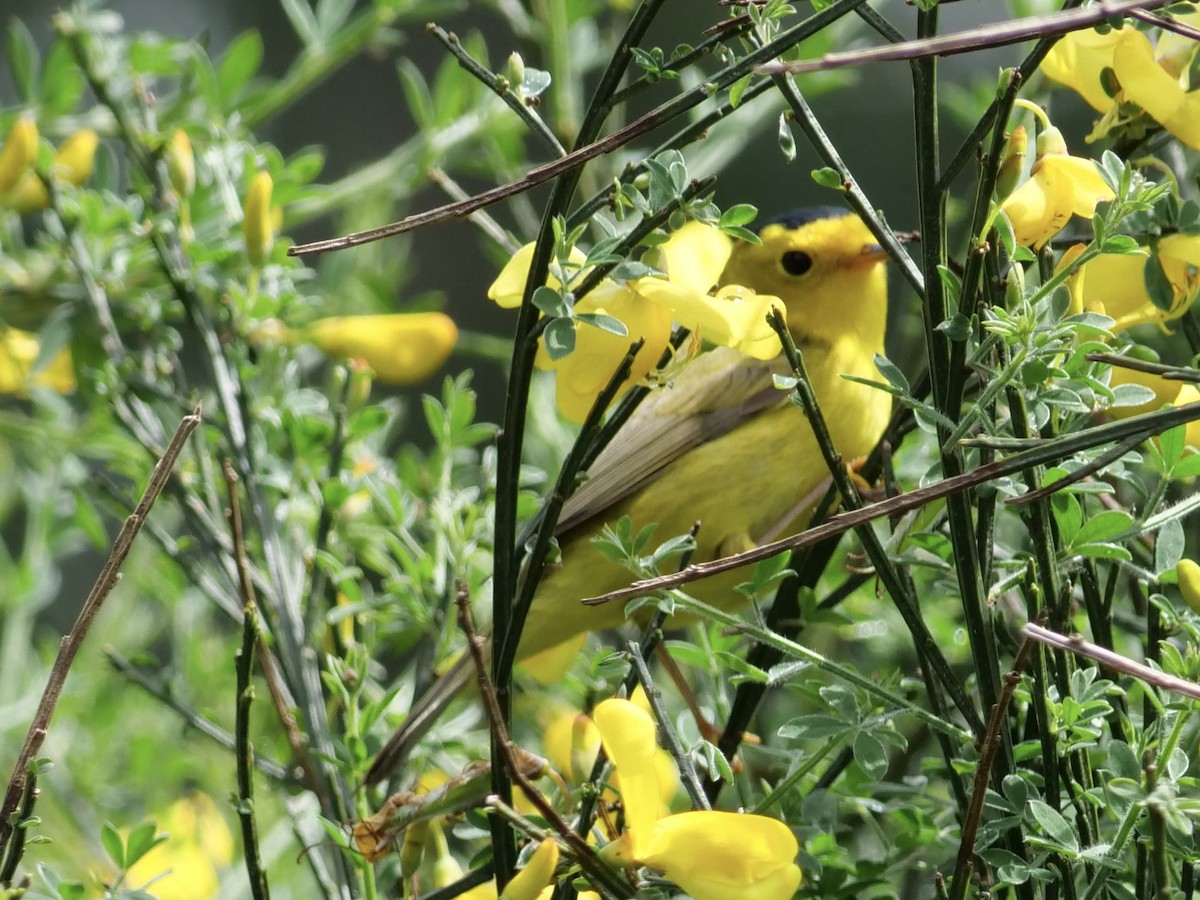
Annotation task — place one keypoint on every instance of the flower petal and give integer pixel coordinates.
(695, 255)
(1143, 81)
(628, 735)
(402, 348)
(1040, 207)
(1088, 186)
(509, 286)
(723, 855)
(1078, 61)
(737, 317)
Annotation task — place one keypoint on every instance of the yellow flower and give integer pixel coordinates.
(1188, 574)
(1059, 186)
(199, 846)
(19, 153)
(73, 164)
(258, 226)
(532, 881)
(724, 855)
(402, 348)
(711, 855)
(692, 258)
(1167, 392)
(181, 163)
(18, 352)
(1114, 283)
(1079, 59)
(1123, 66)
(446, 869)
(1148, 84)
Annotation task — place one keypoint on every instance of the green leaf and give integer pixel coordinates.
(891, 372)
(142, 840)
(870, 755)
(559, 337)
(957, 327)
(1056, 827)
(739, 214)
(1158, 286)
(737, 89)
(22, 59)
(534, 84)
(551, 302)
(113, 845)
(1103, 551)
(1168, 547)
(62, 82)
(828, 178)
(304, 23)
(609, 324)
(1171, 443)
(1104, 525)
(787, 141)
(812, 728)
(239, 63)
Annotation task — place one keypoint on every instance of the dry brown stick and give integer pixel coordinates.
(1077, 645)
(109, 575)
(983, 772)
(996, 34)
(592, 865)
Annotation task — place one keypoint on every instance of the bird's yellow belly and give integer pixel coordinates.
(759, 482)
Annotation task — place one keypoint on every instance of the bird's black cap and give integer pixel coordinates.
(804, 216)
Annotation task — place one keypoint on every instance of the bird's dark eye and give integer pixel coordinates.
(796, 262)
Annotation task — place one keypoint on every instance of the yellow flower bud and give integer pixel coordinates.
(181, 164)
(1188, 573)
(73, 164)
(75, 159)
(412, 851)
(19, 153)
(18, 352)
(402, 348)
(537, 874)
(1013, 162)
(257, 226)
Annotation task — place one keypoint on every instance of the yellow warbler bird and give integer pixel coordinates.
(720, 445)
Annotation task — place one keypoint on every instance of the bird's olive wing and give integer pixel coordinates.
(709, 397)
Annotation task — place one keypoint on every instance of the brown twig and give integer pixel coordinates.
(996, 34)
(983, 772)
(1168, 373)
(1077, 645)
(592, 865)
(109, 575)
(1145, 425)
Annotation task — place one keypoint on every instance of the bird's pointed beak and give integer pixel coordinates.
(869, 255)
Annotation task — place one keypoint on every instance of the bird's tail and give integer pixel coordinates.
(425, 711)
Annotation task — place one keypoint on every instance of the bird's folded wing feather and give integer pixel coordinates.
(709, 397)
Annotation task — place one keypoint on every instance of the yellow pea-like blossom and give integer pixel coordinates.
(73, 164)
(198, 848)
(18, 352)
(1121, 69)
(711, 855)
(19, 153)
(536, 876)
(1059, 186)
(1079, 61)
(258, 225)
(692, 259)
(1188, 573)
(1114, 284)
(401, 348)
(1167, 392)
